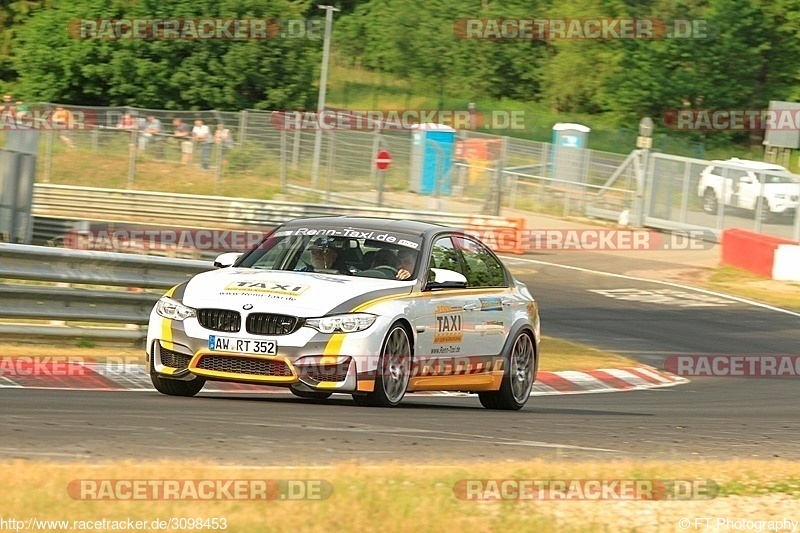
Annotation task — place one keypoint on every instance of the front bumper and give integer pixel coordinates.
(306, 360)
(311, 373)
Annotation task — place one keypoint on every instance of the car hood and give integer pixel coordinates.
(304, 294)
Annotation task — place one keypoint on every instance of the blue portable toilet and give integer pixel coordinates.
(569, 152)
(432, 150)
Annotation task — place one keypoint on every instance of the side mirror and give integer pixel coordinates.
(227, 259)
(441, 278)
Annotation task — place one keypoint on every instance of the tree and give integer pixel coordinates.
(173, 74)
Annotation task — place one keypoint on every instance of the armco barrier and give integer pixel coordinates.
(787, 263)
(214, 212)
(76, 286)
(750, 251)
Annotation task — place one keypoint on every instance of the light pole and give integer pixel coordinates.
(643, 142)
(323, 85)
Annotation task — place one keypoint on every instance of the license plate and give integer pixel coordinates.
(232, 344)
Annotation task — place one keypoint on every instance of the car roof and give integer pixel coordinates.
(752, 165)
(375, 223)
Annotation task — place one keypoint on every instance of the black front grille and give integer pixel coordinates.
(244, 365)
(271, 324)
(327, 372)
(219, 319)
(174, 359)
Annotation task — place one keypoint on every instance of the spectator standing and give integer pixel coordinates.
(8, 107)
(202, 136)
(62, 121)
(21, 108)
(127, 123)
(141, 129)
(184, 135)
(154, 133)
(224, 139)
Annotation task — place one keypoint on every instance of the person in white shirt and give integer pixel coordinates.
(202, 136)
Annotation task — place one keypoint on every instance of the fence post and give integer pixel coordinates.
(376, 144)
(218, 177)
(637, 218)
(296, 148)
(283, 160)
(242, 128)
(132, 160)
(330, 167)
(687, 168)
(48, 155)
(587, 165)
(545, 173)
(499, 184)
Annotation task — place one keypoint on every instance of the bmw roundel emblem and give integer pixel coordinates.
(247, 307)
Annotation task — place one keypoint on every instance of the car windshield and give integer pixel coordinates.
(780, 178)
(359, 252)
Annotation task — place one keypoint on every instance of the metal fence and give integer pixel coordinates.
(90, 295)
(101, 152)
(491, 172)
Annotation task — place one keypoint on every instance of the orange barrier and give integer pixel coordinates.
(501, 235)
(750, 251)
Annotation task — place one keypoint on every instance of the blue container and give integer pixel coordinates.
(569, 152)
(432, 151)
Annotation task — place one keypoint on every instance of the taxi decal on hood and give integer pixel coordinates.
(264, 287)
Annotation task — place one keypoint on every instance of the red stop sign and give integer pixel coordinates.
(383, 160)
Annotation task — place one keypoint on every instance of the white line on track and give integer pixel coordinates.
(512, 260)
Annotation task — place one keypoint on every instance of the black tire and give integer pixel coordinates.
(394, 371)
(767, 216)
(710, 202)
(515, 388)
(310, 395)
(176, 387)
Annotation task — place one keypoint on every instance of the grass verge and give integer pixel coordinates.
(397, 497)
(748, 285)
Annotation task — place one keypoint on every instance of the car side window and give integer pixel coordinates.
(444, 255)
(736, 174)
(483, 269)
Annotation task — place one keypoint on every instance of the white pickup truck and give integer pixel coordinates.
(746, 184)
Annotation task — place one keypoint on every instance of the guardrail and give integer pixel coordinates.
(51, 294)
(217, 212)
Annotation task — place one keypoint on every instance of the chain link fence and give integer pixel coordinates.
(265, 157)
(112, 147)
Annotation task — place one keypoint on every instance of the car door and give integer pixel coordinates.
(440, 326)
(749, 189)
(487, 301)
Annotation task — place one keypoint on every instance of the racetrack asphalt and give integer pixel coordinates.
(711, 417)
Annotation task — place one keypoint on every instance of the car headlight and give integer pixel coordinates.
(169, 308)
(348, 323)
